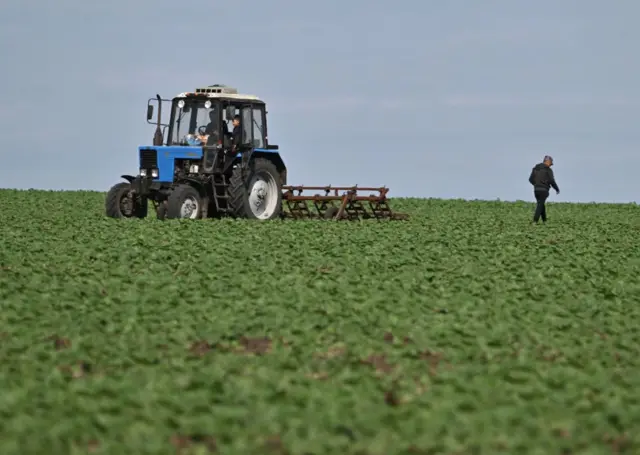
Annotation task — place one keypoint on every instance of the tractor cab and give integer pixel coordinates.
(204, 117)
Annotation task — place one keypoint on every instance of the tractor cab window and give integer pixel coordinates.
(245, 120)
(258, 127)
(252, 122)
(246, 125)
(227, 121)
(191, 118)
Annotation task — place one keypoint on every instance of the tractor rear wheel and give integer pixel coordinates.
(184, 202)
(121, 204)
(258, 194)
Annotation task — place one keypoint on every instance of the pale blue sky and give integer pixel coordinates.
(454, 99)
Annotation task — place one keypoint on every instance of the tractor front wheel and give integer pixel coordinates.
(184, 201)
(258, 194)
(120, 203)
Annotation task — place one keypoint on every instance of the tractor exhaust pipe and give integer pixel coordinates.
(157, 137)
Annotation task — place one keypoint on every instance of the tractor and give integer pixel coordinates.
(203, 170)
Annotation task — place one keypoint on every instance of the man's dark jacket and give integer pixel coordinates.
(542, 178)
(237, 135)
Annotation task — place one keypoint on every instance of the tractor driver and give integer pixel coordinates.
(211, 129)
(236, 135)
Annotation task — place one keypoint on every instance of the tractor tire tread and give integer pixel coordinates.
(112, 202)
(177, 197)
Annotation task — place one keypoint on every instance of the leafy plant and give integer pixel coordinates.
(463, 330)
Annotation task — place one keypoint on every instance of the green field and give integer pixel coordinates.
(465, 330)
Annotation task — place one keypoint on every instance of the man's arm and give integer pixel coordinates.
(532, 176)
(208, 132)
(552, 180)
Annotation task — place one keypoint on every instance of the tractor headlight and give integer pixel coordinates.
(193, 169)
(154, 173)
(143, 172)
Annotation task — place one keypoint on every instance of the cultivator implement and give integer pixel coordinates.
(337, 203)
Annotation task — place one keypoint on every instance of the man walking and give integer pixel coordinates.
(542, 179)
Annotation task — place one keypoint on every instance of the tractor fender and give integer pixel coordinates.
(128, 178)
(196, 183)
(276, 159)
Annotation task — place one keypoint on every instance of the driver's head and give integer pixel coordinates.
(212, 115)
(236, 120)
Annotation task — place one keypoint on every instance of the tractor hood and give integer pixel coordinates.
(163, 158)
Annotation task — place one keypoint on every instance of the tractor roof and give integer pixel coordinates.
(218, 91)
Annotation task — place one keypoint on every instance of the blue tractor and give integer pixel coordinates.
(201, 169)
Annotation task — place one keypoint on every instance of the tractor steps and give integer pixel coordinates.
(220, 197)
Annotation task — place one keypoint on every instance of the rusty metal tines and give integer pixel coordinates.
(338, 203)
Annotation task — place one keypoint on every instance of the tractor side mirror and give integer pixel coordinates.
(149, 112)
(230, 112)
